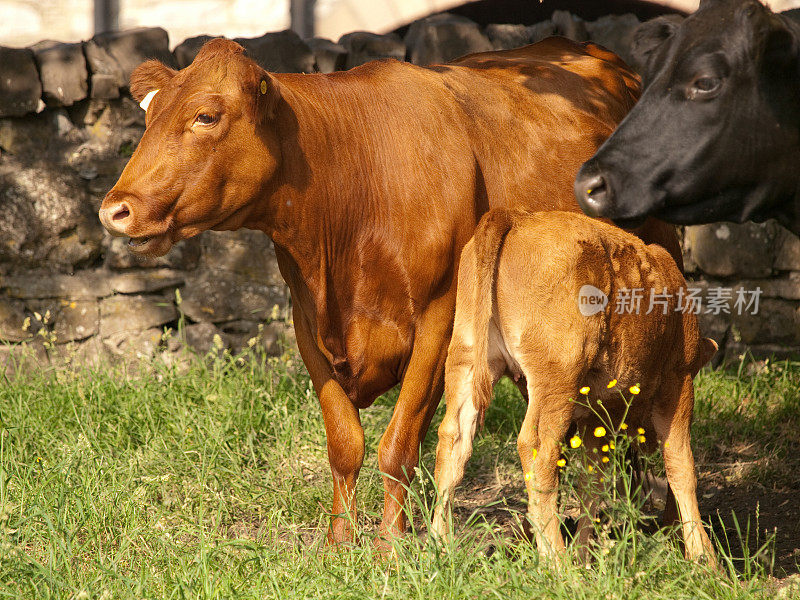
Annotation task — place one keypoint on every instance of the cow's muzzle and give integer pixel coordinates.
(593, 192)
(116, 218)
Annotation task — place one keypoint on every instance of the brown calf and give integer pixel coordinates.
(517, 313)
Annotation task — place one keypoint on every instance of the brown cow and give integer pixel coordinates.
(369, 182)
(517, 311)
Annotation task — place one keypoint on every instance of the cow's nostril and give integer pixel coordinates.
(593, 194)
(123, 212)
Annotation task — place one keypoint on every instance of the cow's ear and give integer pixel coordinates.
(264, 93)
(705, 352)
(649, 36)
(149, 76)
(781, 50)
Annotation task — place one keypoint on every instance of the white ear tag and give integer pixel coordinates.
(147, 99)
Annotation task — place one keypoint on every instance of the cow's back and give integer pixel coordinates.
(534, 114)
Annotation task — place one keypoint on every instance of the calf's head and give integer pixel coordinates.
(715, 134)
(206, 152)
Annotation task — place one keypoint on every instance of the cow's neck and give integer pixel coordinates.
(304, 206)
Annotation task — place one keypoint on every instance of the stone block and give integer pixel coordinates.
(508, 36)
(569, 25)
(442, 38)
(219, 296)
(614, 32)
(145, 281)
(787, 251)
(244, 252)
(186, 51)
(12, 318)
(75, 320)
(363, 46)
(46, 217)
(726, 249)
(43, 284)
(20, 86)
(329, 56)
(777, 322)
(62, 70)
(280, 52)
(133, 314)
(131, 47)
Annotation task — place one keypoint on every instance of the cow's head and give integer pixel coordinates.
(715, 134)
(205, 154)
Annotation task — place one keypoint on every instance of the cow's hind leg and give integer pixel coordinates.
(672, 417)
(420, 393)
(343, 431)
(458, 426)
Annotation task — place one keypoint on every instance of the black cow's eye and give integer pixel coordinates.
(703, 86)
(205, 119)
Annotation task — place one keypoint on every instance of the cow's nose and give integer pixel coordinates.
(593, 192)
(116, 218)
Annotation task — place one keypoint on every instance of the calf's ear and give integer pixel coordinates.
(649, 36)
(708, 348)
(149, 76)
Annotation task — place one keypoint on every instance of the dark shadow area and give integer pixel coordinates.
(528, 12)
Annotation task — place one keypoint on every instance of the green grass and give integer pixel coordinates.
(211, 481)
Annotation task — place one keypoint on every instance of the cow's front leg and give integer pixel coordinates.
(343, 431)
(420, 393)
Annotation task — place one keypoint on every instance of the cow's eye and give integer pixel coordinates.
(703, 86)
(205, 119)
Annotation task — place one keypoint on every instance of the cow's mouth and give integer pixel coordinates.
(154, 245)
(140, 241)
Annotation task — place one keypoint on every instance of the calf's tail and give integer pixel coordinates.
(488, 240)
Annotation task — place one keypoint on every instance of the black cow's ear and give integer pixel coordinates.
(781, 50)
(648, 36)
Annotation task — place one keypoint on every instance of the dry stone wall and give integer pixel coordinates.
(68, 291)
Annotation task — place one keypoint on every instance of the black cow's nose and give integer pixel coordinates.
(593, 192)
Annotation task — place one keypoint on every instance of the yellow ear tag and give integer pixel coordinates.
(263, 87)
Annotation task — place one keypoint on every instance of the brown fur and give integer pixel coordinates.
(517, 313)
(369, 182)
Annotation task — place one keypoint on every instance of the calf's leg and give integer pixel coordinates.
(343, 431)
(546, 422)
(459, 424)
(672, 417)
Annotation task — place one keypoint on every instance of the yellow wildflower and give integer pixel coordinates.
(604, 448)
(611, 383)
(590, 468)
(562, 462)
(611, 445)
(642, 439)
(585, 390)
(640, 430)
(635, 389)
(575, 441)
(528, 475)
(623, 426)
(605, 459)
(535, 452)
(599, 431)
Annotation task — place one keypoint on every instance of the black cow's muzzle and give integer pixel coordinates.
(593, 191)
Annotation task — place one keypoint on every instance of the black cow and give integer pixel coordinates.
(715, 136)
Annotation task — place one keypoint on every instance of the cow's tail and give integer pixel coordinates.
(489, 237)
